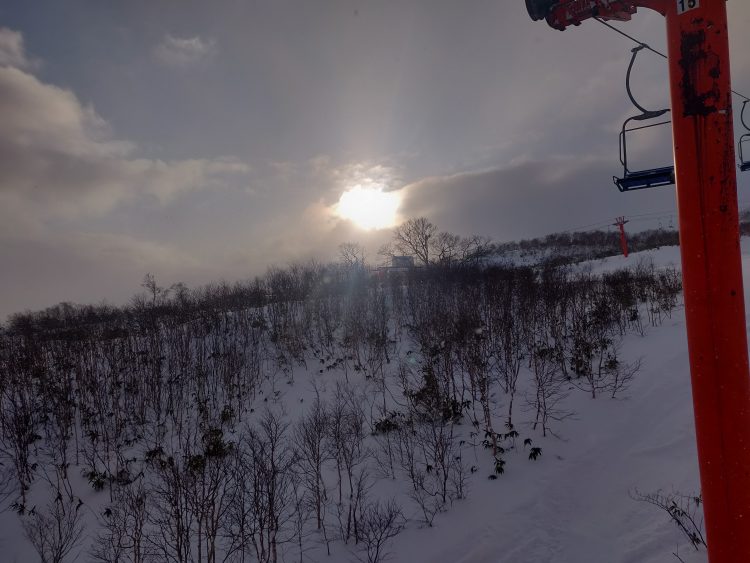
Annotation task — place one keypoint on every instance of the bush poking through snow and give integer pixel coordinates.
(686, 511)
(499, 466)
(55, 531)
(378, 524)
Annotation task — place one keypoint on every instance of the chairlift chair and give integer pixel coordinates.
(641, 179)
(744, 162)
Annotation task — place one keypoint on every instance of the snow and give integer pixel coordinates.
(664, 257)
(573, 504)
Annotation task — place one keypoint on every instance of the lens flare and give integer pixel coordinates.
(369, 208)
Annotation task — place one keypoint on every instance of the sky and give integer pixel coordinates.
(200, 141)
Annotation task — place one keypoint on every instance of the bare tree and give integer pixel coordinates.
(477, 360)
(548, 388)
(621, 373)
(302, 511)
(347, 440)
(123, 537)
(415, 237)
(6, 483)
(20, 412)
(686, 511)
(156, 293)
(386, 252)
(423, 490)
(56, 531)
(449, 249)
(267, 462)
(379, 523)
(210, 492)
(429, 454)
(446, 248)
(352, 254)
(311, 441)
(169, 515)
(472, 249)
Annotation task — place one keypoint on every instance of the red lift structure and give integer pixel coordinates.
(709, 244)
(620, 222)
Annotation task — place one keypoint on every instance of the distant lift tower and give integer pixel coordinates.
(706, 180)
(620, 222)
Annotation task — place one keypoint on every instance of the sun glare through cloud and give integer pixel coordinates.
(369, 208)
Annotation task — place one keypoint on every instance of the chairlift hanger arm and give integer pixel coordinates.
(645, 114)
(640, 179)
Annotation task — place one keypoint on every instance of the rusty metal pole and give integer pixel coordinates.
(712, 268)
(709, 245)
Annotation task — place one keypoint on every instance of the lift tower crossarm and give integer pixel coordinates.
(560, 14)
(706, 180)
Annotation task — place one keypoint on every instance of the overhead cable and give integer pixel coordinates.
(649, 48)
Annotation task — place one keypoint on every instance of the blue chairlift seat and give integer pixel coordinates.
(653, 178)
(744, 140)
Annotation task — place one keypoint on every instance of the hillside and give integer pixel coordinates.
(173, 429)
(574, 247)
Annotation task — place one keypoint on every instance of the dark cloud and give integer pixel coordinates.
(528, 199)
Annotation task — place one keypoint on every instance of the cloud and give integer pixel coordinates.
(291, 215)
(66, 180)
(11, 49)
(181, 53)
(59, 159)
(528, 198)
(87, 268)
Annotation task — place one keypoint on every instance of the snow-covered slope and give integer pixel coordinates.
(575, 506)
(572, 505)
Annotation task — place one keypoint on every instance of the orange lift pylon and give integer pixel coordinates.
(705, 174)
(620, 222)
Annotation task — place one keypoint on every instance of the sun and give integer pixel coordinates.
(369, 208)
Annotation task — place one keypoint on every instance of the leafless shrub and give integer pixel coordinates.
(313, 450)
(686, 511)
(266, 511)
(56, 530)
(430, 456)
(379, 524)
(621, 375)
(347, 430)
(122, 539)
(548, 388)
